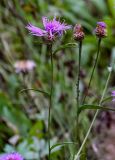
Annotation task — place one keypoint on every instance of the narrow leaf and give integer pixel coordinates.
(94, 107)
(37, 90)
(107, 99)
(68, 45)
(61, 144)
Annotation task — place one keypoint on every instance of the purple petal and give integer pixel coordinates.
(11, 156)
(45, 21)
(113, 93)
(102, 24)
(35, 30)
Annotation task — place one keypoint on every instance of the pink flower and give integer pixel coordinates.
(24, 66)
(52, 29)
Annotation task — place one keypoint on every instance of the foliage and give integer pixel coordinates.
(25, 114)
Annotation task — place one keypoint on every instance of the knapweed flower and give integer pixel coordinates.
(78, 32)
(113, 95)
(52, 29)
(101, 30)
(11, 156)
(24, 66)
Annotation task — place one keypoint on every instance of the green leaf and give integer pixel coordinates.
(68, 45)
(37, 90)
(61, 144)
(107, 99)
(12, 114)
(111, 5)
(94, 107)
(37, 129)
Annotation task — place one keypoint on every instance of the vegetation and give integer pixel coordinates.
(23, 112)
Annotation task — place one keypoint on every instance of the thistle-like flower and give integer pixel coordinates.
(113, 95)
(101, 30)
(78, 32)
(24, 66)
(11, 156)
(52, 29)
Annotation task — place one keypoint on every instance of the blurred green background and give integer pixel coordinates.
(23, 116)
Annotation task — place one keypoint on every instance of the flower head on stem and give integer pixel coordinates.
(78, 32)
(101, 30)
(52, 29)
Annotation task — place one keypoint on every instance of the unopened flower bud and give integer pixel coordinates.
(78, 32)
(101, 30)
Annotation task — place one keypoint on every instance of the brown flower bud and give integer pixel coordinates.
(78, 32)
(101, 30)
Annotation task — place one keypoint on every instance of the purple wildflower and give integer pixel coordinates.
(53, 28)
(113, 95)
(101, 30)
(11, 156)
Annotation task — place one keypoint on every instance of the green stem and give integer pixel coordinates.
(97, 111)
(78, 91)
(51, 103)
(95, 64)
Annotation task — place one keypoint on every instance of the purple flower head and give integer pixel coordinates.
(52, 29)
(113, 95)
(101, 30)
(11, 156)
(102, 24)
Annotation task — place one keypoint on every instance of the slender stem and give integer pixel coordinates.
(95, 64)
(97, 111)
(78, 79)
(78, 91)
(51, 103)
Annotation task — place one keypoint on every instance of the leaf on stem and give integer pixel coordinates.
(68, 45)
(107, 99)
(94, 107)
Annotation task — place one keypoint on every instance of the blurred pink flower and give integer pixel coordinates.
(24, 66)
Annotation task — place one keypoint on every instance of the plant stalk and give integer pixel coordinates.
(78, 91)
(51, 102)
(94, 118)
(92, 73)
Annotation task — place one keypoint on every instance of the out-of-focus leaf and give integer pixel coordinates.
(13, 115)
(37, 130)
(111, 5)
(100, 5)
